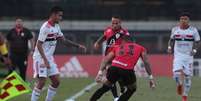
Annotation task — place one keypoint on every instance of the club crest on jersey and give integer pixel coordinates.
(117, 35)
(22, 34)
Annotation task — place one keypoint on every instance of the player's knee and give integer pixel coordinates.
(132, 87)
(41, 84)
(187, 81)
(177, 76)
(55, 83)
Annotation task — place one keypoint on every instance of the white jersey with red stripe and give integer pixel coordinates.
(184, 39)
(49, 35)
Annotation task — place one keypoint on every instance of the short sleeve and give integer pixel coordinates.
(127, 33)
(60, 34)
(29, 34)
(143, 49)
(172, 33)
(42, 34)
(196, 35)
(105, 33)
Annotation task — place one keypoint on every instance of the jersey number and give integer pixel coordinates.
(131, 50)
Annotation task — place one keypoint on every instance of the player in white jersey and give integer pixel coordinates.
(183, 43)
(44, 65)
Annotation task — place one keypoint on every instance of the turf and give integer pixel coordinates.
(165, 91)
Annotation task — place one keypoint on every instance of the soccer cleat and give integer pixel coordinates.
(179, 89)
(184, 98)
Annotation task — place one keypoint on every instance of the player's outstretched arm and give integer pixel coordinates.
(148, 69)
(67, 42)
(103, 65)
(99, 41)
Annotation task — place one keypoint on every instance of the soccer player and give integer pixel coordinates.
(44, 65)
(112, 35)
(184, 40)
(123, 57)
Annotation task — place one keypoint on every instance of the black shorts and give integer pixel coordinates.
(126, 76)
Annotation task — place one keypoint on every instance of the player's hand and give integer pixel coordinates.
(83, 47)
(193, 52)
(46, 63)
(96, 46)
(99, 76)
(152, 83)
(169, 50)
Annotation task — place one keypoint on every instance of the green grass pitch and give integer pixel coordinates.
(165, 91)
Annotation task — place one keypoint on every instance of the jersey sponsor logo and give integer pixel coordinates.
(73, 69)
(121, 63)
(179, 37)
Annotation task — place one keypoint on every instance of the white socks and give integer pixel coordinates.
(50, 93)
(187, 85)
(35, 94)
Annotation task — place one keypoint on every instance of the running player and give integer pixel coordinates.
(44, 65)
(123, 57)
(184, 40)
(112, 35)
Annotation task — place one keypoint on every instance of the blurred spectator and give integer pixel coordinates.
(18, 38)
(4, 53)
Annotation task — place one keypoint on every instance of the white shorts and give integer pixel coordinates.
(41, 71)
(183, 64)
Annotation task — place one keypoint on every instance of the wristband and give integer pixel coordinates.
(169, 47)
(151, 77)
(194, 50)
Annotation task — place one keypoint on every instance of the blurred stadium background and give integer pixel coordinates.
(148, 21)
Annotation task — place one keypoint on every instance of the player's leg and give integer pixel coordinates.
(51, 92)
(187, 87)
(40, 71)
(112, 77)
(179, 78)
(187, 80)
(99, 92)
(22, 65)
(13, 63)
(114, 92)
(54, 77)
(129, 79)
(178, 75)
(38, 88)
(122, 86)
(114, 87)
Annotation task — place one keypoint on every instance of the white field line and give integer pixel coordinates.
(80, 93)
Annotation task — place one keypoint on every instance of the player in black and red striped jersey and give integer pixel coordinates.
(113, 36)
(123, 57)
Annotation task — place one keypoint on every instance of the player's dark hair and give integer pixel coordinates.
(116, 16)
(184, 14)
(56, 9)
